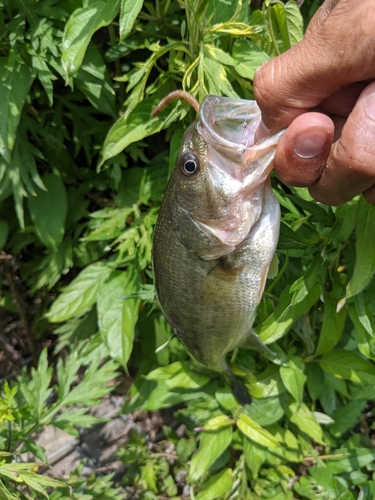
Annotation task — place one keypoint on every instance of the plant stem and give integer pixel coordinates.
(269, 17)
(18, 302)
(112, 37)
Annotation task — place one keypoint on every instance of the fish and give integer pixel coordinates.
(216, 234)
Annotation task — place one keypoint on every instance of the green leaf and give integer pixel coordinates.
(345, 222)
(320, 214)
(348, 365)
(178, 374)
(291, 240)
(333, 324)
(285, 314)
(216, 486)
(302, 417)
(48, 210)
(266, 384)
(248, 57)
(35, 391)
(215, 74)
(265, 411)
(364, 267)
(346, 417)
(349, 459)
(279, 14)
(79, 29)
(134, 127)
(7, 495)
(219, 11)
(294, 22)
(117, 315)
(364, 327)
(218, 422)
(128, 13)
(33, 480)
(94, 82)
(15, 81)
(212, 445)
(294, 379)
(255, 432)
(80, 294)
(255, 456)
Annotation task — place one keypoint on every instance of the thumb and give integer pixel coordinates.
(330, 58)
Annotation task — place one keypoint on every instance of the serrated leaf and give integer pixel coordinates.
(37, 481)
(117, 315)
(134, 127)
(255, 432)
(294, 22)
(128, 13)
(80, 294)
(302, 417)
(79, 29)
(15, 80)
(216, 486)
(248, 57)
(212, 445)
(48, 210)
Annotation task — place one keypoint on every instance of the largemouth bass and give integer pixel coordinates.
(217, 232)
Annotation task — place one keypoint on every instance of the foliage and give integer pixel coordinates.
(82, 175)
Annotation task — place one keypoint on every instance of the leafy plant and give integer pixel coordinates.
(83, 167)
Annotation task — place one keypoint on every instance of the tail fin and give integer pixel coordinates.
(238, 388)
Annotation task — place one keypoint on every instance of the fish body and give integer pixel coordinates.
(217, 231)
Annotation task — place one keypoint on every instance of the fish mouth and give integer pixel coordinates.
(229, 125)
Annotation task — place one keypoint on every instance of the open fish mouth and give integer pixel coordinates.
(229, 125)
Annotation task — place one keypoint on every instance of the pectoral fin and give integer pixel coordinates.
(252, 341)
(197, 237)
(219, 285)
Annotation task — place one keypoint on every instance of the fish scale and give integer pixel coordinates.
(216, 234)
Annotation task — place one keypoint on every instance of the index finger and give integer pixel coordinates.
(328, 59)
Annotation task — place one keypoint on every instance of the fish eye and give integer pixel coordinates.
(189, 165)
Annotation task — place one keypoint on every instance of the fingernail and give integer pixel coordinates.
(310, 144)
(261, 132)
(370, 106)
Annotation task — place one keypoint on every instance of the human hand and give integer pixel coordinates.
(322, 89)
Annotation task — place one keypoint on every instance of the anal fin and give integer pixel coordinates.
(252, 341)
